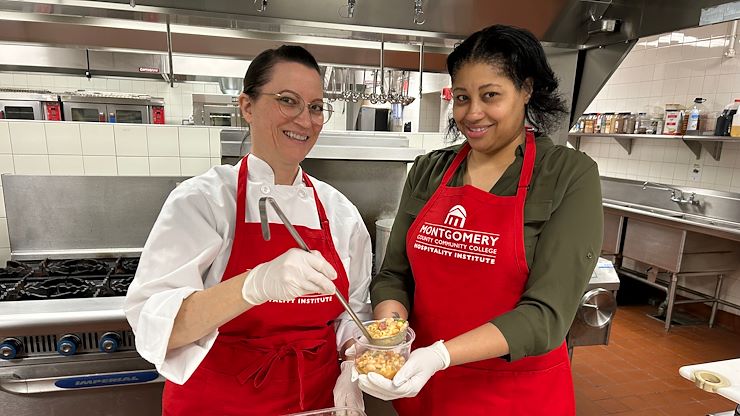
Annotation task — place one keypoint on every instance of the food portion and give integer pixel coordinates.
(385, 363)
(387, 327)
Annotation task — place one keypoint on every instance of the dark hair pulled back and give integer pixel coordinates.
(260, 69)
(520, 56)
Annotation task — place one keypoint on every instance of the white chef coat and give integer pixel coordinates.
(190, 244)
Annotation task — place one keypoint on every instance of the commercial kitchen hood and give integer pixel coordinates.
(587, 38)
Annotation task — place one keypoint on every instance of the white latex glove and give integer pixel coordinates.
(292, 274)
(346, 391)
(420, 367)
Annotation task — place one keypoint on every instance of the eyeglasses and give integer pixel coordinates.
(292, 105)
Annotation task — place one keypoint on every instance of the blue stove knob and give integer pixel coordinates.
(10, 348)
(68, 345)
(109, 342)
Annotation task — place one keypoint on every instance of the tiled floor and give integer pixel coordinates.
(637, 373)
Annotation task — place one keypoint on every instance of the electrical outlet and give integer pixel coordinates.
(695, 172)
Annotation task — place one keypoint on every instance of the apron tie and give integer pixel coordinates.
(261, 372)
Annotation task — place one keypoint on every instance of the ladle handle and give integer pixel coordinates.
(301, 244)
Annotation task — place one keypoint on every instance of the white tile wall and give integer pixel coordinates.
(163, 141)
(97, 139)
(31, 164)
(131, 140)
(5, 138)
(194, 142)
(191, 166)
(100, 165)
(63, 138)
(671, 68)
(133, 166)
(66, 165)
(165, 166)
(28, 137)
(6, 164)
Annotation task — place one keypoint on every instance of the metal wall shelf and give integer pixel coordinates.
(712, 144)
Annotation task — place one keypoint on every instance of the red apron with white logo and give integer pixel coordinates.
(466, 250)
(278, 357)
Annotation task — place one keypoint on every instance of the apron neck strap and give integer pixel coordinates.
(530, 150)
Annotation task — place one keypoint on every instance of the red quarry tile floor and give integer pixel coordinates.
(637, 373)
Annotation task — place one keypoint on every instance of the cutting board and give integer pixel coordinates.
(728, 369)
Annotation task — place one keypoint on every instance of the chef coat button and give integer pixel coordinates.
(265, 189)
(589, 256)
(302, 194)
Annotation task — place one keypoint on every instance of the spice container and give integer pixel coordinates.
(588, 125)
(630, 124)
(643, 123)
(674, 119)
(607, 128)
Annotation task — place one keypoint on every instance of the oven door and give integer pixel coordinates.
(84, 112)
(20, 110)
(109, 385)
(222, 115)
(124, 113)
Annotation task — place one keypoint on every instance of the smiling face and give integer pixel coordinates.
(282, 141)
(488, 108)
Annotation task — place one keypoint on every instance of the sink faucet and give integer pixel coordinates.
(676, 194)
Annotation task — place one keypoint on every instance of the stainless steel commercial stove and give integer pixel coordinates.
(65, 345)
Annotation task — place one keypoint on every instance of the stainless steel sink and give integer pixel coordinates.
(666, 212)
(712, 221)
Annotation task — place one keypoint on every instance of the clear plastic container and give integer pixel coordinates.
(332, 411)
(695, 116)
(384, 360)
(643, 123)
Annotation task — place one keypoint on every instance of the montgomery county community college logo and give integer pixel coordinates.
(456, 216)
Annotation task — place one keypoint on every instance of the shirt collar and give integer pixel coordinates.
(260, 171)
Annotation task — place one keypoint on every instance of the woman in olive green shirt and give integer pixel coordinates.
(486, 262)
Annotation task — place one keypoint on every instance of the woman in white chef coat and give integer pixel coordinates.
(239, 325)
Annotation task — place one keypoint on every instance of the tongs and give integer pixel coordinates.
(302, 244)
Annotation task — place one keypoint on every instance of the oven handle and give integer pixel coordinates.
(13, 383)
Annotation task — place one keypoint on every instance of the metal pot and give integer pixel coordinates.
(382, 233)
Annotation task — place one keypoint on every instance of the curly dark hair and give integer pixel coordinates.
(520, 56)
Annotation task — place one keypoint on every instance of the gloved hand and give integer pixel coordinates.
(292, 274)
(346, 391)
(420, 367)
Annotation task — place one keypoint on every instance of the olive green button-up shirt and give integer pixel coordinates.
(563, 225)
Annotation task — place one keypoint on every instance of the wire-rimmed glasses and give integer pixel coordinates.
(291, 105)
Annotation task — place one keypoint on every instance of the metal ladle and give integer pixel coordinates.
(297, 237)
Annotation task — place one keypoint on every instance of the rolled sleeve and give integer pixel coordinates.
(564, 258)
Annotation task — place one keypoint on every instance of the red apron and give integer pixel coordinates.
(278, 357)
(466, 250)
